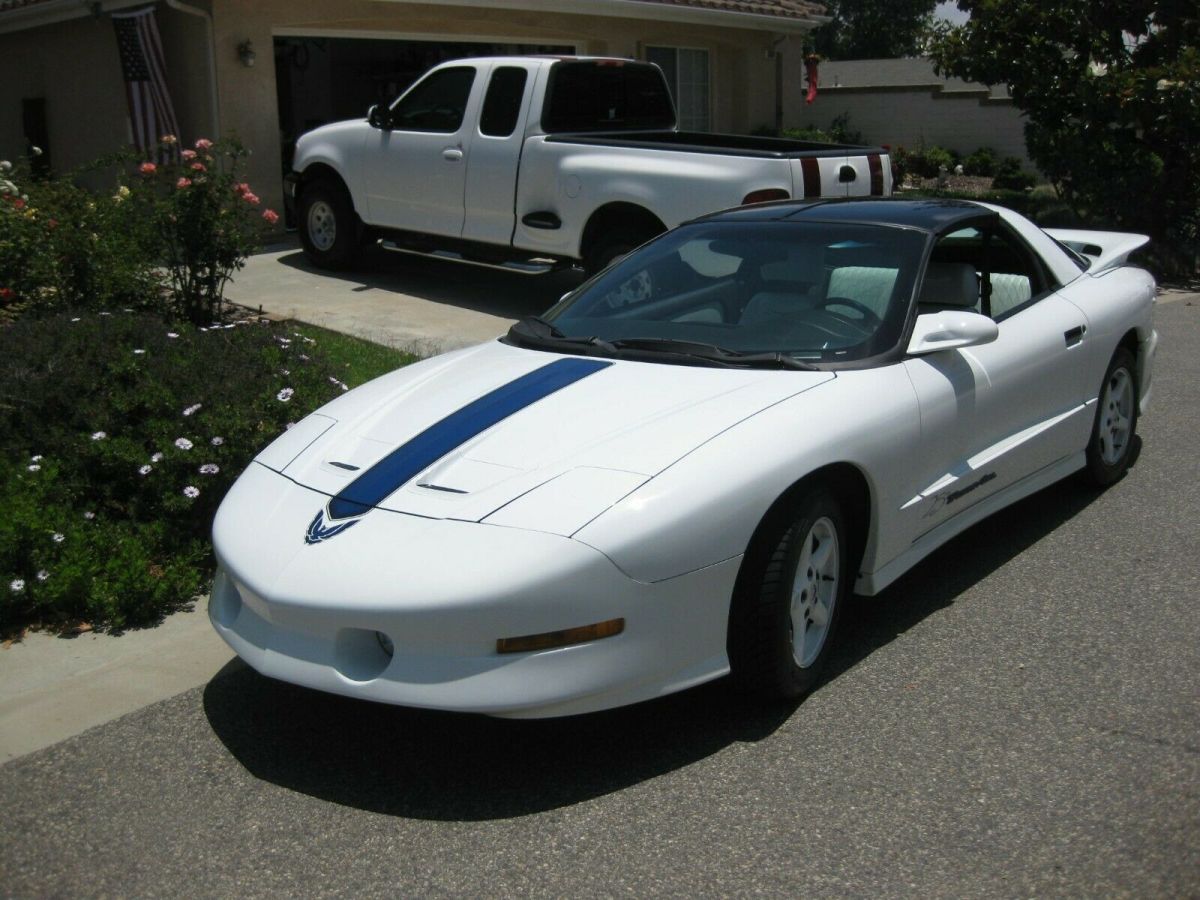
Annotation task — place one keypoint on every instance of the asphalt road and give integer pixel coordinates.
(1019, 716)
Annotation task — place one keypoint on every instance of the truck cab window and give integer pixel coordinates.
(436, 104)
(502, 105)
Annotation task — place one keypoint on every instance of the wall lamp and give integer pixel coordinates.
(245, 52)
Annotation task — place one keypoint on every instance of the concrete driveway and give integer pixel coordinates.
(396, 299)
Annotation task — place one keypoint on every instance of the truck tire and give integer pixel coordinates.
(611, 246)
(330, 230)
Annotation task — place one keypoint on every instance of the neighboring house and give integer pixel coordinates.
(902, 102)
(268, 71)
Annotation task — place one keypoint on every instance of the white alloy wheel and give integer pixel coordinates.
(814, 591)
(1116, 416)
(322, 225)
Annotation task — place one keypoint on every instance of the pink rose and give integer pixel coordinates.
(183, 182)
(20, 204)
(242, 188)
(188, 154)
(203, 144)
(198, 167)
(250, 198)
(147, 168)
(9, 293)
(169, 139)
(271, 216)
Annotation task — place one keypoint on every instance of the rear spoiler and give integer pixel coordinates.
(1104, 249)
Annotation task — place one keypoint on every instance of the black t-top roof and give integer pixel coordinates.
(927, 214)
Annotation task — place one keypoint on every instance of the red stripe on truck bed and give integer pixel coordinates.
(812, 177)
(876, 166)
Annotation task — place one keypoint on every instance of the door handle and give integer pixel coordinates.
(452, 154)
(1075, 335)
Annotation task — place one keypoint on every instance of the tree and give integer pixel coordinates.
(1111, 94)
(874, 29)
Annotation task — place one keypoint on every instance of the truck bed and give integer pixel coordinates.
(722, 144)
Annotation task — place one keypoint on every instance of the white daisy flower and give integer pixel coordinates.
(138, 352)
(217, 441)
(99, 435)
(191, 410)
(172, 334)
(34, 467)
(37, 457)
(285, 395)
(145, 470)
(184, 444)
(209, 469)
(89, 515)
(58, 537)
(156, 458)
(42, 575)
(17, 585)
(191, 492)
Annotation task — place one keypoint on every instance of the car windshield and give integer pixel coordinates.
(783, 291)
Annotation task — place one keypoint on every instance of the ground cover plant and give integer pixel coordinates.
(120, 433)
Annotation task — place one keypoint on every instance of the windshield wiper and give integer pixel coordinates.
(534, 329)
(714, 353)
(537, 329)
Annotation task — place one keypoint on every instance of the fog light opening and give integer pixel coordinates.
(386, 644)
(548, 640)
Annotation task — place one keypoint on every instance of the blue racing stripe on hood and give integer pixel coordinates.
(405, 462)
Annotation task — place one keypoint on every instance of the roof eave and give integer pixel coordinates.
(661, 12)
(55, 11)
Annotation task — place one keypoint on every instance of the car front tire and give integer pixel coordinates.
(329, 228)
(783, 625)
(1110, 450)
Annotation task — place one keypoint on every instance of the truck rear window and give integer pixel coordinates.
(606, 95)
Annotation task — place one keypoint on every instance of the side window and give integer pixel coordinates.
(436, 104)
(502, 105)
(989, 271)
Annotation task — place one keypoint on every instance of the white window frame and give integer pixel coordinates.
(673, 77)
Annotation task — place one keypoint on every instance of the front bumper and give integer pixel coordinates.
(443, 592)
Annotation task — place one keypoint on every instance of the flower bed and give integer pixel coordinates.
(119, 435)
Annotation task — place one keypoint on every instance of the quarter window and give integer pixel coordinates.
(438, 103)
(1006, 277)
(502, 105)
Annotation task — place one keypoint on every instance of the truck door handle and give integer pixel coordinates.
(452, 154)
(1075, 335)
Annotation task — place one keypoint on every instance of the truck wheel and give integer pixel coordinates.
(612, 246)
(329, 228)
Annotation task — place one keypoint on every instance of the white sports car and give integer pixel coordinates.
(687, 464)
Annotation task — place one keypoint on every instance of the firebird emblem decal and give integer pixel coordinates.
(318, 531)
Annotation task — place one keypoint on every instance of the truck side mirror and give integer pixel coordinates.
(379, 118)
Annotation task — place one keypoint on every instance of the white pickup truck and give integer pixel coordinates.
(531, 163)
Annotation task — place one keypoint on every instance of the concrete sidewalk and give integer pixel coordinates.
(396, 299)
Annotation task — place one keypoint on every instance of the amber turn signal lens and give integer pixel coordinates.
(551, 639)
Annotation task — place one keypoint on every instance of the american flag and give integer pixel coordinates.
(150, 112)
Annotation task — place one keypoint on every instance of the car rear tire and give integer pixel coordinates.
(330, 231)
(1110, 450)
(783, 624)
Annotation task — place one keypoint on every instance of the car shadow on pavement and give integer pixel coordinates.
(455, 767)
(504, 294)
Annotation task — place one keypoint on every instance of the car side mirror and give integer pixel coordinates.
(950, 329)
(379, 118)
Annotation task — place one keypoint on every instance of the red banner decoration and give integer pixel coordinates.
(810, 67)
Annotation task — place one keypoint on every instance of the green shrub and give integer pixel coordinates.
(118, 438)
(1011, 177)
(982, 162)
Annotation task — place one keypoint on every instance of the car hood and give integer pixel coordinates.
(609, 428)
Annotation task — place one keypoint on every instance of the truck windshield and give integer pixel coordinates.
(815, 292)
(607, 95)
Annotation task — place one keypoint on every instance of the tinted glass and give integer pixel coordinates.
(816, 291)
(435, 104)
(502, 105)
(607, 96)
